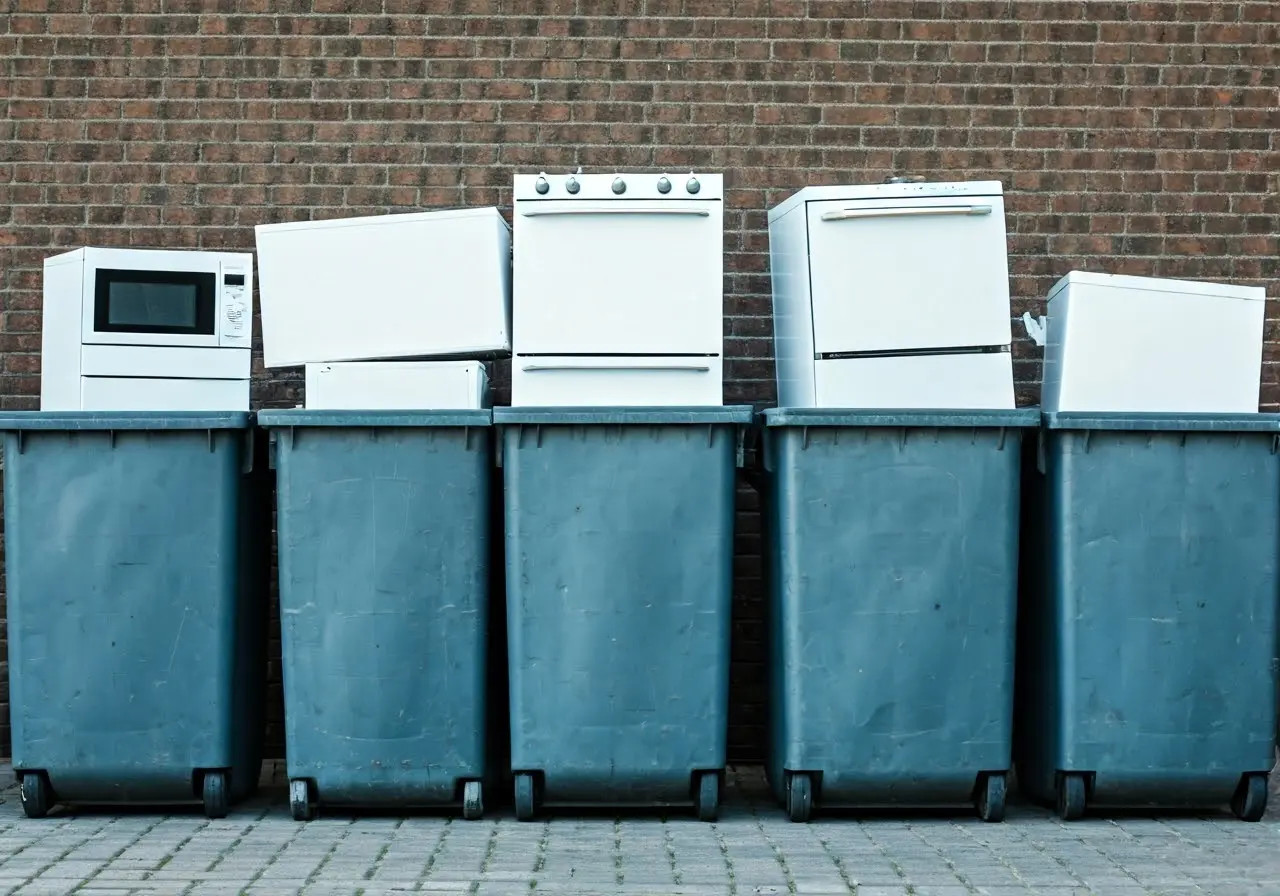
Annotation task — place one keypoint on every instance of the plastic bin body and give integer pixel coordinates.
(383, 527)
(891, 553)
(619, 546)
(1148, 621)
(136, 562)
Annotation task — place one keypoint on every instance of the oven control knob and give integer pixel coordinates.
(693, 186)
(541, 186)
(619, 186)
(664, 185)
(572, 185)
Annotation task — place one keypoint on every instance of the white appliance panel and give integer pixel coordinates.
(661, 186)
(792, 316)
(397, 385)
(140, 394)
(972, 381)
(390, 286)
(901, 274)
(618, 382)
(1138, 344)
(911, 190)
(619, 276)
(166, 361)
(60, 335)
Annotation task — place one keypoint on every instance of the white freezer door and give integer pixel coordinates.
(616, 382)
(974, 381)
(104, 393)
(618, 277)
(896, 274)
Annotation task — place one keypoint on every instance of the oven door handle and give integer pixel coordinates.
(617, 210)
(849, 214)
(544, 368)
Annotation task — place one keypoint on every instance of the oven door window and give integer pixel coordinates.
(178, 302)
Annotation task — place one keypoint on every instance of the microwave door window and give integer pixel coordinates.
(154, 302)
(152, 305)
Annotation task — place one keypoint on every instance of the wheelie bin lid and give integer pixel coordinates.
(102, 421)
(295, 417)
(915, 419)
(573, 416)
(1162, 422)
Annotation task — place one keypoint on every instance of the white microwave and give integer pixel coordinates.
(161, 297)
(146, 329)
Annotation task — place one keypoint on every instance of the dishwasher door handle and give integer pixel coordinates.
(850, 214)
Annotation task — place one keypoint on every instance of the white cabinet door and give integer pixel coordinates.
(616, 382)
(102, 393)
(973, 381)
(397, 385)
(618, 277)
(893, 274)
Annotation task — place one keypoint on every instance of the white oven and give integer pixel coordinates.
(619, 281)
(145, 329)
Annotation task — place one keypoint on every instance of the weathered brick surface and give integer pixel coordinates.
(1132, 137)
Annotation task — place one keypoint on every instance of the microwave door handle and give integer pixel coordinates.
(849, 214)
(543, 368)
(619, 210)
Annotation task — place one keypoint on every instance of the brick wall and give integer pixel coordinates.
(1131, 137)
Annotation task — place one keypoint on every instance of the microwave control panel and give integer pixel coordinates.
(237, 317)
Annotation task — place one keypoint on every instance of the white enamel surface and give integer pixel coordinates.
(389, 286)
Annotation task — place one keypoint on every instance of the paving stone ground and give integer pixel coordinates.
(752, 851)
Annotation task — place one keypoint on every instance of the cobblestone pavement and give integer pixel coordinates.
(752, 851)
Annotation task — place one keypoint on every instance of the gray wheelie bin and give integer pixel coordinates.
(1148, 616)
(383, 527)
(891, 551)
(619, 545)
(136, 557)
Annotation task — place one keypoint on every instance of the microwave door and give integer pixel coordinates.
(150, 307)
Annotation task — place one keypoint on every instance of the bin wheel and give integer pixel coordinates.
(799, 797)
(215, 794)
(1249, 802)
(472, 801)
(1071, 796)
(524, 797)
(37, 795)
(300, 800)
(708, 804)
(992, 788)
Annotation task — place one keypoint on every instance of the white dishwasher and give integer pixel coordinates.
(618, 283)
(892, 295)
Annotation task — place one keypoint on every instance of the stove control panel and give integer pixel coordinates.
(619, 185)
